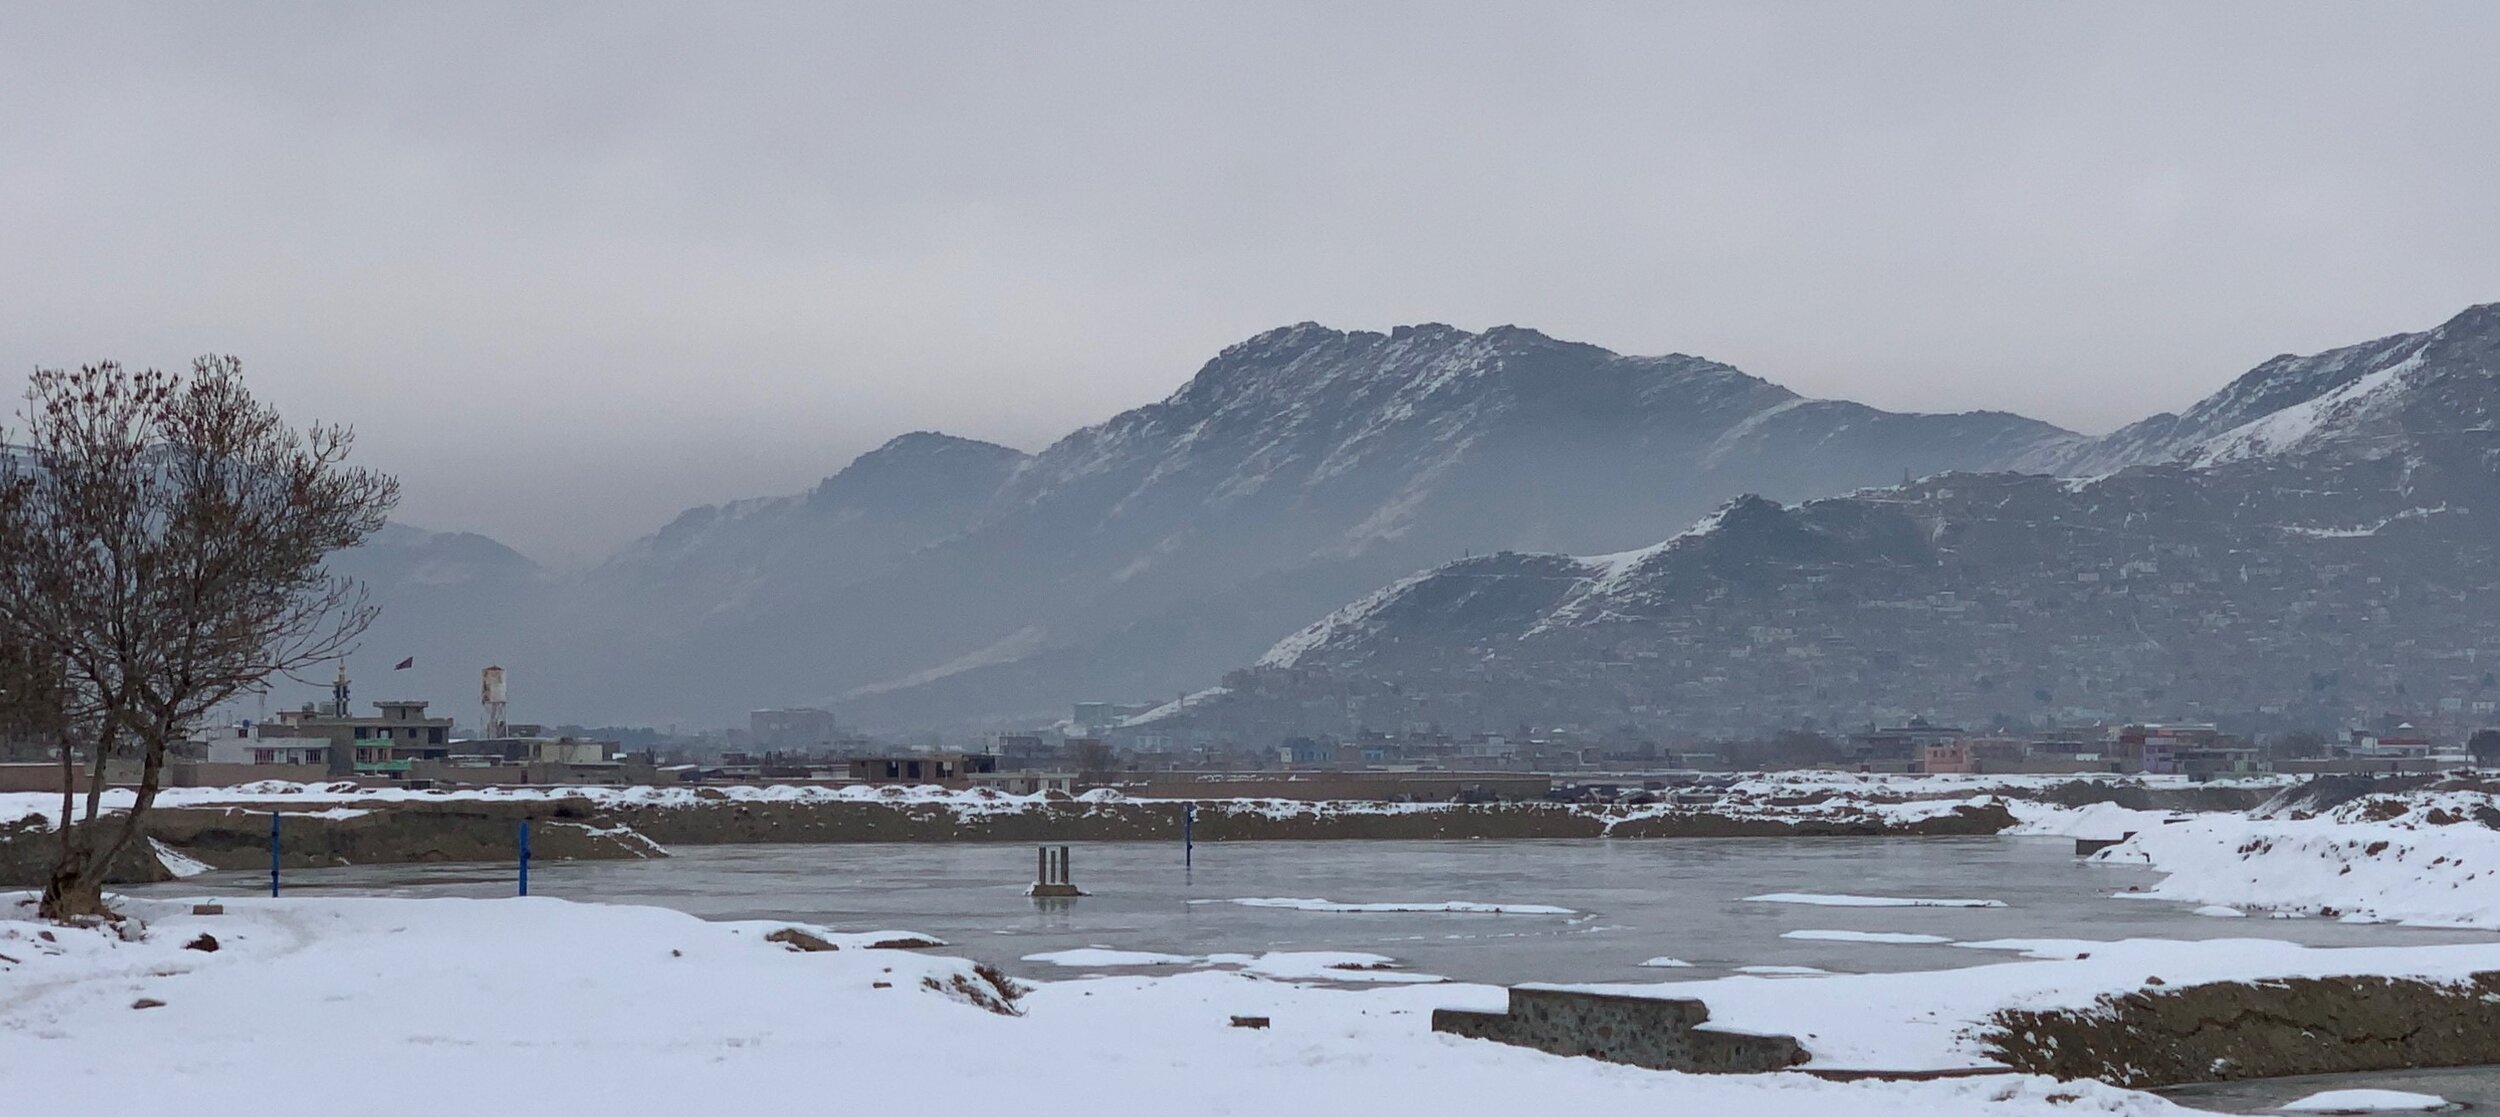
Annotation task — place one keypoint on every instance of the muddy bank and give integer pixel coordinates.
(732, 822)
(2270, 1029)
(583, 828)
(27, 849)
(416, 832)
(398, 834)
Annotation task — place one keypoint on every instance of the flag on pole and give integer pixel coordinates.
(405, 664)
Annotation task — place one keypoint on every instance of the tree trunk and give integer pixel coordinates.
(76, 888)
(151, 774)
(73, 894)
(69, 789)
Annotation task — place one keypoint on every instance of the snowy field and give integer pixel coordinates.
(364, 1005)
(373, 1006)
(2426, 859)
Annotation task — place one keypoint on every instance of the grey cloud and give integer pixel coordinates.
(573, 267)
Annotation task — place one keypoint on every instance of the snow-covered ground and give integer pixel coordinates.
(426, 1007)
(2426, 858)
(391, 1006)
(1929, 1020)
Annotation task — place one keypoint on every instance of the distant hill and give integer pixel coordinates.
(2317, 540)
(449, 601)
(943, 582)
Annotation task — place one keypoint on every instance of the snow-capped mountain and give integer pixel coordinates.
(2348, 398)
(941, 581)
(1306, 462)
(2320, 515)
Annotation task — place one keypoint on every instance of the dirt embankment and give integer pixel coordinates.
(2267, 1029)
(27, 849)
(1220, 821)
(395, 834)
(583, 829)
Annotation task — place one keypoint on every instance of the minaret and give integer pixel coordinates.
(338, 692)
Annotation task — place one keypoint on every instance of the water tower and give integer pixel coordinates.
(490, 694)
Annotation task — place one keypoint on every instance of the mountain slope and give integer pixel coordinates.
(942, 582)
(452, 601)
(753, 554)
(2274, 405)
(2323, 537)
(1307, 461)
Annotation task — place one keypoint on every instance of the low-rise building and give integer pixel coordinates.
(1025, 782)
(384, 744)
(946, 769)
(2156, 749)
(2404, 742)
(245, 745)
(1907, 741)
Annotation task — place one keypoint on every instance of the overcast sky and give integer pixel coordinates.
(572, 269)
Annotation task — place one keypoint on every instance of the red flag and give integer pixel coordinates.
(405, 664)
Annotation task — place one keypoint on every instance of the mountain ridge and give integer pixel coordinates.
(940, 581)
(1174, 539)
(2320, 459)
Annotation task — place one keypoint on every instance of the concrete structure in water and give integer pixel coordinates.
(1052, 881)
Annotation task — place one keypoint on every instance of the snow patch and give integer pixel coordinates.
(1459, 906)
(1829, 900)
(2367, 1101)
(2286, 429)
(181, 864)
(1903, 938)
(1096, 957)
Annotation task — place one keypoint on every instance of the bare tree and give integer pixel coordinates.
(35, 704)
(162, 540)
(2484, 746)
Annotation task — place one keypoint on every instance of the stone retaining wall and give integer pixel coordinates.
(2230, 1030)
(1655, 1032)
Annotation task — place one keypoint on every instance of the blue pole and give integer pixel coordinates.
(525, 857)
(1189, 844)
(273, 854)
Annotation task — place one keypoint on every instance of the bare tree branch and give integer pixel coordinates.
(162, 540)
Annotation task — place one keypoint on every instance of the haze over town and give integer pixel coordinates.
(573, 269)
